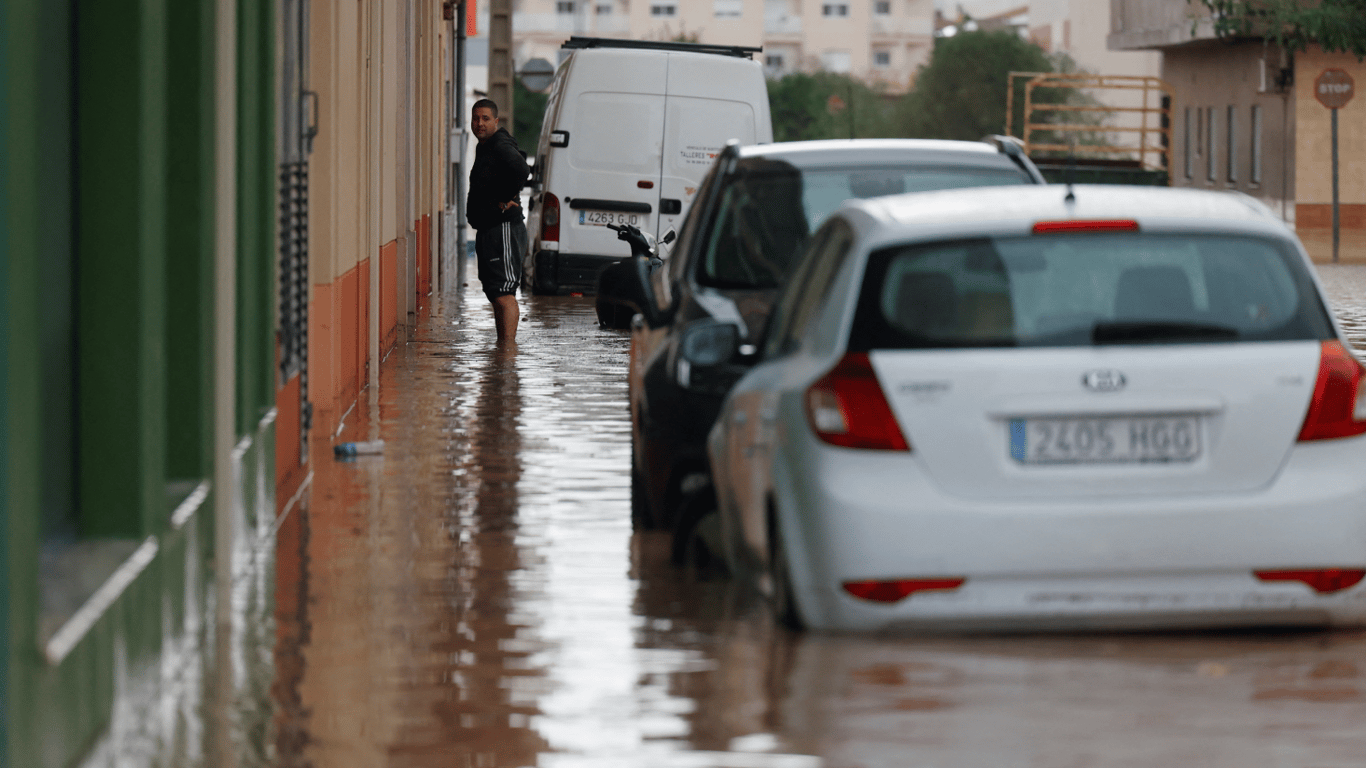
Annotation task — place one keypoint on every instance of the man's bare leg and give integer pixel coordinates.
(505, 318)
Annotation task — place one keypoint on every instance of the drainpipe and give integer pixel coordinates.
(457, 140)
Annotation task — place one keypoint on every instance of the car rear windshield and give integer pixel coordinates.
(1086, 289)
(766, 214)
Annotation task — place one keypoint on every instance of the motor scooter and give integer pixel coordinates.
(613, 314)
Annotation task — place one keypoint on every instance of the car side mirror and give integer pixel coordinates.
(708, 353)
(707, 343)
(627, 283)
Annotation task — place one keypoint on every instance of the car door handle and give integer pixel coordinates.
(670, 206)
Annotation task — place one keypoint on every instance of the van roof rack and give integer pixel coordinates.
(742, 51)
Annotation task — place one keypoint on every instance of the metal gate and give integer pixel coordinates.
(298, 126)
(1147, 120)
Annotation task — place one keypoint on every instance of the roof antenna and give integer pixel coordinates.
(1071, 197)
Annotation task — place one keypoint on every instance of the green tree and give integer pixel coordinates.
(827, 105)
(527, 116)
(1336, 25)
(961, 92)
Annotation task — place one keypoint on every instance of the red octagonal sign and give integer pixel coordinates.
(1333, 88)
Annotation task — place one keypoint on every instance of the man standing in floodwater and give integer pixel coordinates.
(493, 208)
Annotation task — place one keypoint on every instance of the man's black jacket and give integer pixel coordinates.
(498, 175)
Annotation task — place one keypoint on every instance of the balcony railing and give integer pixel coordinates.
(894, 26)
(782, 25)
(571, 24)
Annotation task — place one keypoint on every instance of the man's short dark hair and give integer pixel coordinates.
(486, 104)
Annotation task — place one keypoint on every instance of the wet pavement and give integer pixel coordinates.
(1345, 285)
(475, 597)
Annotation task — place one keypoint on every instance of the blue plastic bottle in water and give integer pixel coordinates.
(359, 449)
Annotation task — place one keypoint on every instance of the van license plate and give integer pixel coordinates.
(603, 218)
(1107, 440)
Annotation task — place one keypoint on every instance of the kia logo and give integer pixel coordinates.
(1103, 380)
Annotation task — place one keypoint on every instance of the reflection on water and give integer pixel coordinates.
(475, 597)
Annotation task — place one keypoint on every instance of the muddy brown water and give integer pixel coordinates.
(475, 598)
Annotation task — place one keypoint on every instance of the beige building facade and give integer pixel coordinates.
(880, 41)
(380, 72)
(1245, 116)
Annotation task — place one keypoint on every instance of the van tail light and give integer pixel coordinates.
(1338, 407)
(1321, 580)
(895, 590)
(847, 407)
(550, 218)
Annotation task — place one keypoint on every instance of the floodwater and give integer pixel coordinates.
(475, 597)
(1345, 285)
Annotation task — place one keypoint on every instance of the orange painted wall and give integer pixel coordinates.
(350, 352)
(289, 473)
(338, 322)
(424, 258)
(388, 297)
(1320, 215)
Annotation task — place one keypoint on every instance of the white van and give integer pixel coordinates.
(630, 128)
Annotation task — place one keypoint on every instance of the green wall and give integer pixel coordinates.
(36, 246)
(107, 295)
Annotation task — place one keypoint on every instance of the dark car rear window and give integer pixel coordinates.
(764, 216)
(1086, 289)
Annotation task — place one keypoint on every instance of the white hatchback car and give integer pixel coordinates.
(1049, 407)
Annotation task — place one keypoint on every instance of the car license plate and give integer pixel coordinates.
(1127, 439)
(603, 218)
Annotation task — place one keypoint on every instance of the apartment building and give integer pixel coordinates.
(880, 41)
(1245, 116)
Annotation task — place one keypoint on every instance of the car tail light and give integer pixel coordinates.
(894, 590)
(550, 218)
(1321, 580)
(1338, 408)
(1085, 225)
(846, 407)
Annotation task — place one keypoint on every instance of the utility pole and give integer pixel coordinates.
(500, 60)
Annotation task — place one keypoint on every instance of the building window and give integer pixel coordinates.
(564, 6)
(663, 9)
(835, 9)
(836, 61)
(882, 7)
(774, 61)
(1211, 154)
(1187, 152)
(727, 9)
(603, 10)
(1256, 144)
(882, 58)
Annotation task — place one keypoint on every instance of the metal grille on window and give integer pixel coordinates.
(293, 269)
(293, 276)
(298, 117)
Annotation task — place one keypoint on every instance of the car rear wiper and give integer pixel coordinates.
(1150, 331)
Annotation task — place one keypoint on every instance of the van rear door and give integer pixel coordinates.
(711, 100)
(615, 143)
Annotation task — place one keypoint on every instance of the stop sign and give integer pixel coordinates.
(1333, 88)
(537, 75)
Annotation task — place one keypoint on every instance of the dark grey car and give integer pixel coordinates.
(747, 227)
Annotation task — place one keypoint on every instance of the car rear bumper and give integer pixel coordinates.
(558, 272)
(1122, 561)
